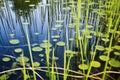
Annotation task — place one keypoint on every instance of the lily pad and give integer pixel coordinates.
(36, 64)
(18, 50)
(46, 45)
(95, 64)
(83, 66)
(56, 36)
(117, 53)
(68, 51)
(55, 40)
(19, 59)
(45, 41)
(114, 63)
(41, 55)
(116, 47)
(37, 49)
(14, 41)
(6, 59)
(104, 58)
(100, 48)
(58, 25)
(60, 43)
(105, 39)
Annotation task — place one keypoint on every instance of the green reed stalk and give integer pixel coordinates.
(110, 45)
(30, 52)
(24, 70)
(53, 62)
(65, 75)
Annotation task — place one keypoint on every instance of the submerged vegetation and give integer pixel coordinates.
(60, 39)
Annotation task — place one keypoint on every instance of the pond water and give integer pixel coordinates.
(50, 37)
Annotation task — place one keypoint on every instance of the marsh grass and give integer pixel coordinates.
(85, 30)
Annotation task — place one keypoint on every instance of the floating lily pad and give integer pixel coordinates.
(14, 41)
(56, 36)
(54, 29)
(12, 35)
(105, 39)
(19, 59)
(86, 31)
(56, 58)
(117, 53)
(35, 44)
(59, 21)
(68, 51)
(60, 43)
(89, 36)
(36, 64)
(116, 47)
(37, 49)
(83, 66)
(58, 25)
(89, 26)
(36, 33)
(114, 63)
(45, 41)
(6, 59)
(18, 50)
(55, 40)
(41, 55)
(45, 45)
(26, 23)
(118, 39)
(95, 64)
(104, 58)
(100, 48)
(71, 39)
(42, 60)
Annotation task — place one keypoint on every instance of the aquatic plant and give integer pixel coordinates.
(60, 39)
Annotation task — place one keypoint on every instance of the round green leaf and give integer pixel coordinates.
(14, 41)
(83, 66)
(104, 58)
(6, 59)
(95, 64)
(114, 63)
(37, 49)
